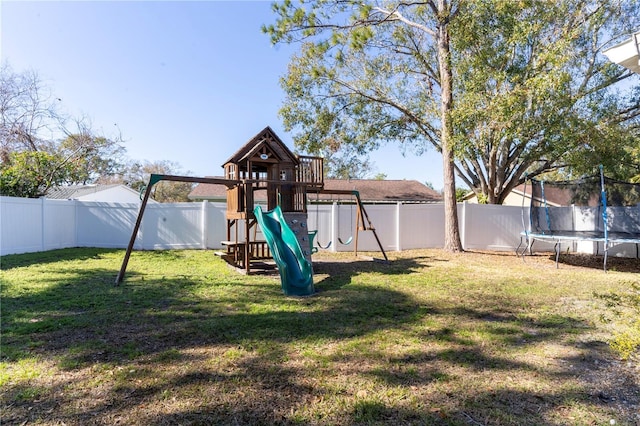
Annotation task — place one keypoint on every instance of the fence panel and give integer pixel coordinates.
(421, 226)
(107, 225)
(490, 227)
(319, 218)
(383, 218)
(215, 222)
(20, 225)
(176, 227)
(28, 225)
(59, 224)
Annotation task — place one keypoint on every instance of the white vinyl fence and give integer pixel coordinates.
(30, 225)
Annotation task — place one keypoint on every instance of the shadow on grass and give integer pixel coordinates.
(590, 261)
(11, 261)
(146, 314)
(85, 322)
(596, 262)
(341, 273)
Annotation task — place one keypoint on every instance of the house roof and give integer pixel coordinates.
(216, 192)
(374, 190)
(370, 191)
(555, 196)
(266, 136)
(72, 192)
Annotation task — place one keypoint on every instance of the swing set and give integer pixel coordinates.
(362, 222)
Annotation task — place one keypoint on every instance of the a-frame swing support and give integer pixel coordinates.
(361, 216)
(155, 178)
(361, 213)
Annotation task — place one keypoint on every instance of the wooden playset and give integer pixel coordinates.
(263, 164)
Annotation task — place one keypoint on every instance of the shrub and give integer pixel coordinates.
(624, 313)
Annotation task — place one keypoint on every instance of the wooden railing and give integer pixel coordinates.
(311, 171)
(235, 199)
(292, 197)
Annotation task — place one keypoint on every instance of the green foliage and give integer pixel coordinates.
(380, 176)
(461, 193)
(33, 158)
(343, 162)
(31, 173)
(524, 101)
(341, 86)
(624, 312)
(136, 175)
(92, 157)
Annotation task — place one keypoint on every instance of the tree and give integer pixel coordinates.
(41, 147)
(461, 193)
(534, 92)
(93, 157)
(29, 114)
(136, 175)
(31, 173)
(525, 102)
(380, 176)
(367, 74)
(344, 161)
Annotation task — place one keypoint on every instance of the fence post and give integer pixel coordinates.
(42, 224)
(463, 230)
(334, 224)
(204, 228)
(75, 222)
(398, 229)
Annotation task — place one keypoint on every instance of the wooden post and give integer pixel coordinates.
(370, 227)
(134, 234)
(247, 230)
(153, 179)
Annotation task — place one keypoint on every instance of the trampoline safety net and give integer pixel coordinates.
(595, 207)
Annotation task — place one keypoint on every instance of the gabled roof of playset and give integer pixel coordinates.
(266, 136)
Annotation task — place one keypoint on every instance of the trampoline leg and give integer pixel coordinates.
(557, 254)
(518, 250)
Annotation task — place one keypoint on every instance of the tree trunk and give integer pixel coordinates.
(452, 240)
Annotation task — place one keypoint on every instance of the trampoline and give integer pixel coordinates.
(594, 209)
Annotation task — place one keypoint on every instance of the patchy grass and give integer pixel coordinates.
(431, 338)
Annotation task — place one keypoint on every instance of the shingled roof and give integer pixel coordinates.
(384, 191)
(72, 192)
(213, 192)
(371, 191)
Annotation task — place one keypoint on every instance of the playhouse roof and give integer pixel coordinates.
(265, 137)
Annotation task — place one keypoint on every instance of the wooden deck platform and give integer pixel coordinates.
(236, 253)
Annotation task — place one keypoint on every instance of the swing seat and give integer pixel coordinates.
(312, 235)
(346, 243)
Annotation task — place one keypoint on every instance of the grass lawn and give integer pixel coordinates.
(432, 338)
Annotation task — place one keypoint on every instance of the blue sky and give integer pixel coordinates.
(188, 82)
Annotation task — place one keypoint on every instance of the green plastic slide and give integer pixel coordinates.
(296, 273)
